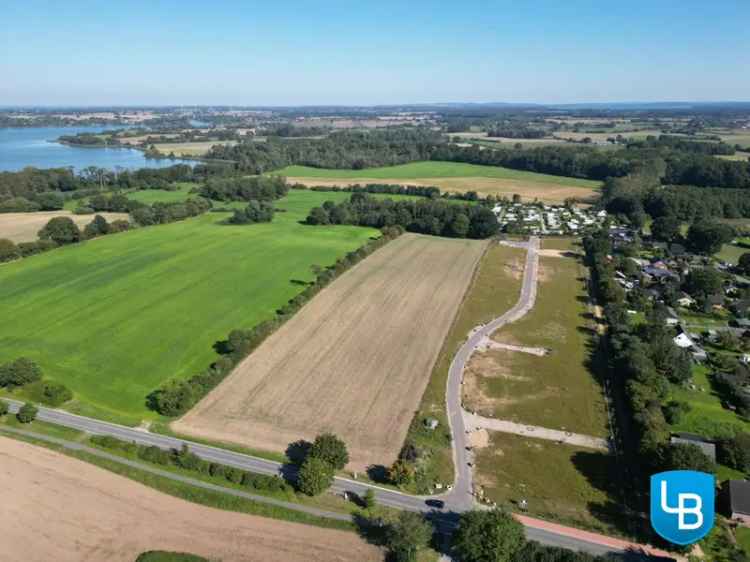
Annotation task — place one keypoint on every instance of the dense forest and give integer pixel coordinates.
(260, 188)
(427, 216)
(347, 149)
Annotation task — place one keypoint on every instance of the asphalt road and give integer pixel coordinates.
(460, 497)
(457, 500)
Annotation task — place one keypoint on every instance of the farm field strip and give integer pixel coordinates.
(24, 227)
(62, 508)
(115, 317)
(454, 177)
(355, 360)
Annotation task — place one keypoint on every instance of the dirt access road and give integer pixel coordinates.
(59, 508)
(355, 360)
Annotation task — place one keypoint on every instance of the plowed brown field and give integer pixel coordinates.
(59, 508)
(23, 227)
(355, 360)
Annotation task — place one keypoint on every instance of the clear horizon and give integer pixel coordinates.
(334, 54)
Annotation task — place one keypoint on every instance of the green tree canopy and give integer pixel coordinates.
(19, 372)
(681, 456)
(488, 536)
(8, 250)
(703, 282)
(27, 413)
(666, 228)
(315, 476)
(407, 535)
(706, 237)
(61, 230)
(331, 449)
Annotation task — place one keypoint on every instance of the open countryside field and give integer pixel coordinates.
(198, 148)
(23, 227)
(454, 177)
(560, 482)
(355, 360)
(115, 317)
(63, 509)
(558, 390)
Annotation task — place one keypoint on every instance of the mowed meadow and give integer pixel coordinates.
(113, 318)
(454, 177)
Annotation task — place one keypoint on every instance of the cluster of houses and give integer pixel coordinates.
(539, 218)
(658, 272)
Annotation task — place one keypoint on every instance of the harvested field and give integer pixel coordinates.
(355, 360)
(59, 508)
(528, 190)
(454, 177)
(23, 227)
(197, 148)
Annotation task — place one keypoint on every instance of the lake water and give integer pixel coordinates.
(22, 147)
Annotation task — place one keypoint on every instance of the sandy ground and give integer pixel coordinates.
(59, 508)
(529, 190)
(355, 360)
(23, 227)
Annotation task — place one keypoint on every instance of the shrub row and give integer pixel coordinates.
(185, 459)
(177, 397)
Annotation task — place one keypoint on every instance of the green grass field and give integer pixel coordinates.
(115, 317)
(434, 169)
(562, 483)
(559, 390)
(731, 253)
(707, 416)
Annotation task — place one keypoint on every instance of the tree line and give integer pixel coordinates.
(259, 188)
(34, 189)
(432, 216)
(176, 397)
(341, 150)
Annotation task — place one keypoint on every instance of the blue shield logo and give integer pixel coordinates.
(682, 505)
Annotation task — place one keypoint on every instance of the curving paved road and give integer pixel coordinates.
(461, 495)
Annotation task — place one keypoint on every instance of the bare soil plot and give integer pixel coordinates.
(59, 508)
(355, 360)
(528, 190)
(23, 227)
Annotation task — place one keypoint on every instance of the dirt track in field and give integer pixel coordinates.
(355, 360)
(59, 508)
(23, 227)
(528, 190)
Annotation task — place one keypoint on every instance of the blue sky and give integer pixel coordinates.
(348, 52)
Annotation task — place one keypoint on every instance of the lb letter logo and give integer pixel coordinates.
(682, 505)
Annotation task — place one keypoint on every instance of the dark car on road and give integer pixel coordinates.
(437, 504)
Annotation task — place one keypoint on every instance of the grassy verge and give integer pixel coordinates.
(558, 390)
(571, 485)
(707, 415)
(495, 288)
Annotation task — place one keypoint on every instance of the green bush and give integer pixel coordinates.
(19, 372)
(3, 407)
(27, 413)
(55, 393)
(315, 476)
